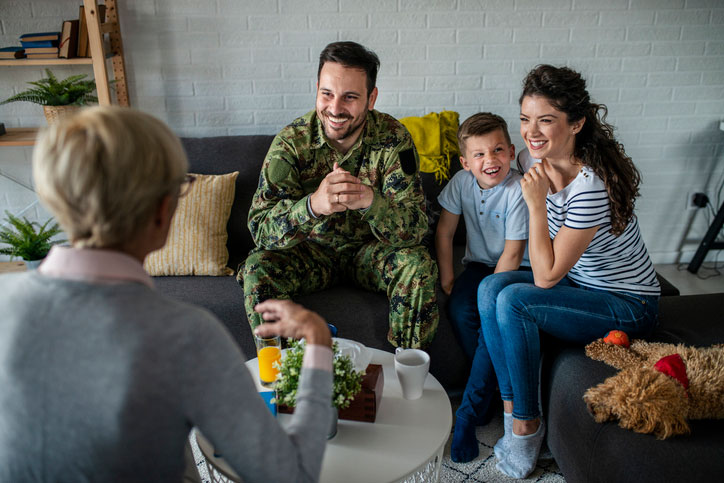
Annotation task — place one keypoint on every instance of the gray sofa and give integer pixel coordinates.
(584, 450)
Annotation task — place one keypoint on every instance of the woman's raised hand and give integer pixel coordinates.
(535, 185)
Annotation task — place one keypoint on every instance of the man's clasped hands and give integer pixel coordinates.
(340, 191)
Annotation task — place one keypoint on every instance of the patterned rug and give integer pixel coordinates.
(482, 469)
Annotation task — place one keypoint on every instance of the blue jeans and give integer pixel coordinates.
(462, 306)
(513, 311)
(464, 317)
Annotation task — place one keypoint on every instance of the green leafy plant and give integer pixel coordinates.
(25, 242)
(72, 91)
(347, 381)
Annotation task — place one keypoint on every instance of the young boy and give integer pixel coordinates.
(488, 195)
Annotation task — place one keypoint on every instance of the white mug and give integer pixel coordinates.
(411, 366)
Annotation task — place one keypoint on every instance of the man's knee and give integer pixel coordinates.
(414, 263)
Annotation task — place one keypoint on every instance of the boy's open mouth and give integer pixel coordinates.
(491, 170)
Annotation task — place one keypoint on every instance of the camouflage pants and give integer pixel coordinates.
(407, 275)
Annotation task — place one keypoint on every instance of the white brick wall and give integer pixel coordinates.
(216, 67)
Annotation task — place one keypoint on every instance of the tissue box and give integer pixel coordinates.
(366, 402)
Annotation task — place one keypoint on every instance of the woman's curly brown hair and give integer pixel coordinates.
(595, 145)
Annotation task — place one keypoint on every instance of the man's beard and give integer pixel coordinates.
(339, 135)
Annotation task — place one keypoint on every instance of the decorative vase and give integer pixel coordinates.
(32, 264)
(332, 432)
(55, 114)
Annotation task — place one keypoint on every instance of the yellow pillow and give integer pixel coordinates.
(196, 242)
(435, 137)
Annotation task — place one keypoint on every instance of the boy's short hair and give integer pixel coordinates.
(479, 124)
(104, 171)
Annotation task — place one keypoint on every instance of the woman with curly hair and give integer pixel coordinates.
(591, 272)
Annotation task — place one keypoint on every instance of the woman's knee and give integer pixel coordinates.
(513, 301)
(492, 285)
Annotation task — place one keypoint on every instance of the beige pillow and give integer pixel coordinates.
(196, 242)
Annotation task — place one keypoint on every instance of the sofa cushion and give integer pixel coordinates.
(224, 154)
(196, 243)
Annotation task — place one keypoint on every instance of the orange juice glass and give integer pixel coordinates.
(268, 351)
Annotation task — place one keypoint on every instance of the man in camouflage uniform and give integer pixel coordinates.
(340, 196)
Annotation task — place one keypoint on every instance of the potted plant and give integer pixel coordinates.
(25, 241)
(347, 381)
(59, 98)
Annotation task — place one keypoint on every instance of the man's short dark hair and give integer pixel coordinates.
(352, 54)
(480, 124)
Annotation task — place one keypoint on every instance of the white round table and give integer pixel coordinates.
(405, 443)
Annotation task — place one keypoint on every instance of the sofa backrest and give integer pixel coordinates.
(225, 154)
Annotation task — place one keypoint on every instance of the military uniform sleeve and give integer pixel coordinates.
(397, 213)
(278, 216)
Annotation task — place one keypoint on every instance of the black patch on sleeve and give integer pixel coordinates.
(407, 161)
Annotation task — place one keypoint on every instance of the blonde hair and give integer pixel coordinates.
(104, 171)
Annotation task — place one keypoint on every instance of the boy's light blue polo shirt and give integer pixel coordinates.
(491, 216)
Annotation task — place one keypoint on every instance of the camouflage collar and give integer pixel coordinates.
(319, 139)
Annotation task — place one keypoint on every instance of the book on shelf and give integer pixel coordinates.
(42, 56)
(39, 37)
(41, 50)
(39, 43)
(69, 39)
(83, 47)
(12, 52)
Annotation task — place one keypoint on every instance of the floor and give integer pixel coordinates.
(708, 279)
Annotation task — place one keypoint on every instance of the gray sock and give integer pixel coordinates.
(501, 447)
(522, 454)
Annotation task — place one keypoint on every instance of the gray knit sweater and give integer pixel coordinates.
(103, 383)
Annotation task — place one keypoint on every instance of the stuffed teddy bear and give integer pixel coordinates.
(659, 386)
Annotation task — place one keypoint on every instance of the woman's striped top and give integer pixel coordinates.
(617, 263)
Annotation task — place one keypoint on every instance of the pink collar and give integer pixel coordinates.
(93, 265)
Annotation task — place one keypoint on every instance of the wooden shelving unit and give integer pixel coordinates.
(22, 62)
(19, 136)
(98, 59)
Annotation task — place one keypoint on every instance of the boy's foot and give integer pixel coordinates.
(464, 446)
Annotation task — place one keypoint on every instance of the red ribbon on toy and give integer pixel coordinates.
(673, 366)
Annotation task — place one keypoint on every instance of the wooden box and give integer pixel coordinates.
(366, 402)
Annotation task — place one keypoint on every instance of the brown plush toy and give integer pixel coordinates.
(659, 387)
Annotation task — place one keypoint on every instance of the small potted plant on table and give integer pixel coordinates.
(59, 98)
(25, 241)
(347, 381)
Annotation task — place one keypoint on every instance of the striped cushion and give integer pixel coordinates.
(196, 242)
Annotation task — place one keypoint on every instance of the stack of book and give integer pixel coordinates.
(71, 42)
(12, 52)
(43, 45)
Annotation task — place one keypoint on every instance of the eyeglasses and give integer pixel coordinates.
(186, 184)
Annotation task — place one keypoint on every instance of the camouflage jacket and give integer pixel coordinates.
(384, 157)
